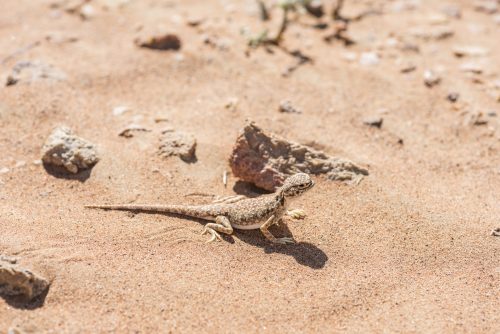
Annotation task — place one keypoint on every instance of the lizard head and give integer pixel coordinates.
(296, 185)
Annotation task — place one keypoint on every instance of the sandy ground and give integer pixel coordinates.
(408, 250)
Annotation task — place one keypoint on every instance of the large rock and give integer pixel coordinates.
(16, 281)
(267, 160)
(63, 148)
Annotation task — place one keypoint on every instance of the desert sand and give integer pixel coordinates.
(408, 249)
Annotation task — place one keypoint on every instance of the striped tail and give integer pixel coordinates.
(187, 210)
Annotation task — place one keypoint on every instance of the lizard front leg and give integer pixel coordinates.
(222, 225)
(269, 236)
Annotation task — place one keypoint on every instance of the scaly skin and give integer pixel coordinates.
(252, 213)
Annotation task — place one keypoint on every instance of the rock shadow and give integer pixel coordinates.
(62, 173)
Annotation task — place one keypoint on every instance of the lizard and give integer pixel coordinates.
(244, 214)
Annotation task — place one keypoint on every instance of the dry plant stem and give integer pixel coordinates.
(336, 11)
(284, 23)
(263, 12)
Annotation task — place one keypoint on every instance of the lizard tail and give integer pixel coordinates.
(176, 209)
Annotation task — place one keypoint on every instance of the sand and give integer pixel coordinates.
(409, 249)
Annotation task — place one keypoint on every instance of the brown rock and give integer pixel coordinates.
(267, 160)
(16, 281)
(160, 42)
(177, 143)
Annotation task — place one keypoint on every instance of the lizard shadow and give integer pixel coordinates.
(21, 303)
(61, 173)
(304, 253)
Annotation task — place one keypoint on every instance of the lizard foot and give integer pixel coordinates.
(284, 241)
(215, 235)
(296, 213)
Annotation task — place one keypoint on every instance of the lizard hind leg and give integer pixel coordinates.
(222, 225)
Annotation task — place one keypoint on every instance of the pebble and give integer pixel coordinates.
(350, 56)
(120, 110)
(160, 42)
(452, 11)
(471, 67)
(287, 107)
(369, 59)
(33, 71)
(128, 132)
(453, 97)
(4, 170)
(374, 121)
(486, 6)
(436, 33)
(232, 104)
(431, 78)
(437, 18)
(87, 12)
(469, 51)
(20, 163)
(407, 68)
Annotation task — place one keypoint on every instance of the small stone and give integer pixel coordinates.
(4, 170)
(496, 232)
(194, 21)
(63, 148)
(128, 132)
(37, 162)
(437, 19)
(453, 97)
(232, 104)
(287, 107)
(405, 5)
(16, 281)
(486, 6)
(452, 11)
(369, 59)
(160, 42)
(179, 57)
(120, 110)
(9, 259)
(60, 38)
(407, 68)
(20, 163)
(177, 143)
(315, 8)
(374, 121)
(431, 78)
(471, 67)
(492, 113)
(87, 12)
(469, 51)
(436, 33)
(350, 56)
(33, 71)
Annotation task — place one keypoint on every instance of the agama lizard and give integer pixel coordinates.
(244, 214)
